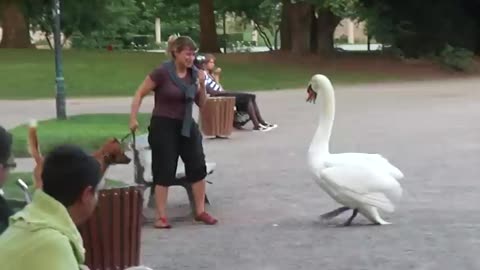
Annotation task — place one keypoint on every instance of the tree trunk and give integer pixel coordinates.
(285, 31)
(275, 43)
(326, 24)
(208, 28)
(47, 38)
(313, 32)
(224, 21)
(300, 24)
(15, 27)
(477, 49)
(369, 42)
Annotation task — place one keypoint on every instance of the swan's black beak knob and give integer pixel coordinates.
(311, 94)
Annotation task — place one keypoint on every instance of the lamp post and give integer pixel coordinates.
(59, 80)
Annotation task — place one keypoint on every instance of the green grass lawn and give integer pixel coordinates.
(89, 131)
(28, 74)
(15, 195)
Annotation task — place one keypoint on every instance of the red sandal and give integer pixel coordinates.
(206, 218)
(162, 223)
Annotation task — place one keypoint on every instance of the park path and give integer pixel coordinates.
(268, 205)
(15, 112)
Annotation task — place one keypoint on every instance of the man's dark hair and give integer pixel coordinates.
(5, 146)
(67, 171)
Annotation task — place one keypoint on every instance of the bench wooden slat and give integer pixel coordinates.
(136, 211)
(104, 205)
(112, 234)
(117, 228)
(95, 249)
(127, 228)
(216, 116)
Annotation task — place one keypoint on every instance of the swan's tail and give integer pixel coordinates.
(372, 214)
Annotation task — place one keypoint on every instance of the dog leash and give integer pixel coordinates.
(127, 135)
(134, 143)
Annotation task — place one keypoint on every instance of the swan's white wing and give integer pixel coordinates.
(376, 160)
(363, 185)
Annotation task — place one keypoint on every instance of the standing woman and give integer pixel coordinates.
(176, 84)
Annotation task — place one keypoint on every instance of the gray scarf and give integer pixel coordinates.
(189, 90)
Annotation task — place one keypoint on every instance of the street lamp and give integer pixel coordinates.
(59, 80)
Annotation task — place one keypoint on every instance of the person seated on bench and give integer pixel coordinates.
(44, 234)
(244, 102)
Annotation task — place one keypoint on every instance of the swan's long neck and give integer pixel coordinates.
(319, 146)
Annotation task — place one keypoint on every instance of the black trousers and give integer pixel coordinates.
(167, 144)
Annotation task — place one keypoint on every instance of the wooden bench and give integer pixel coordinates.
(112, 235)
(216, 117)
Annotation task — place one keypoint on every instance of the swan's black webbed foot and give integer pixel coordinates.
(334, 213)
(349, 221)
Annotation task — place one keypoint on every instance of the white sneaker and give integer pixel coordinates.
(268, 125)
(263, 128)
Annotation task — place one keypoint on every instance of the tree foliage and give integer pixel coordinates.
(416, 28)
(265, 15)
(120, 20)
(341, 8)
(424, 27)
(81, 16)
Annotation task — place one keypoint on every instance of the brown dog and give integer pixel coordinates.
(110, 153)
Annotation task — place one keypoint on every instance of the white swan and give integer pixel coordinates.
(358, 181)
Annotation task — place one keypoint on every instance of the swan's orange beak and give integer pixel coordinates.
(311, 94)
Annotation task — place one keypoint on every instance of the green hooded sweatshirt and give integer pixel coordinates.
(41, 236)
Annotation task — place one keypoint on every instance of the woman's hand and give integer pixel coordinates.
(133, 124)
(201, 78)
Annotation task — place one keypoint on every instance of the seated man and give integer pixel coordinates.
(244, 102)
(44, 234)
(5, 165)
